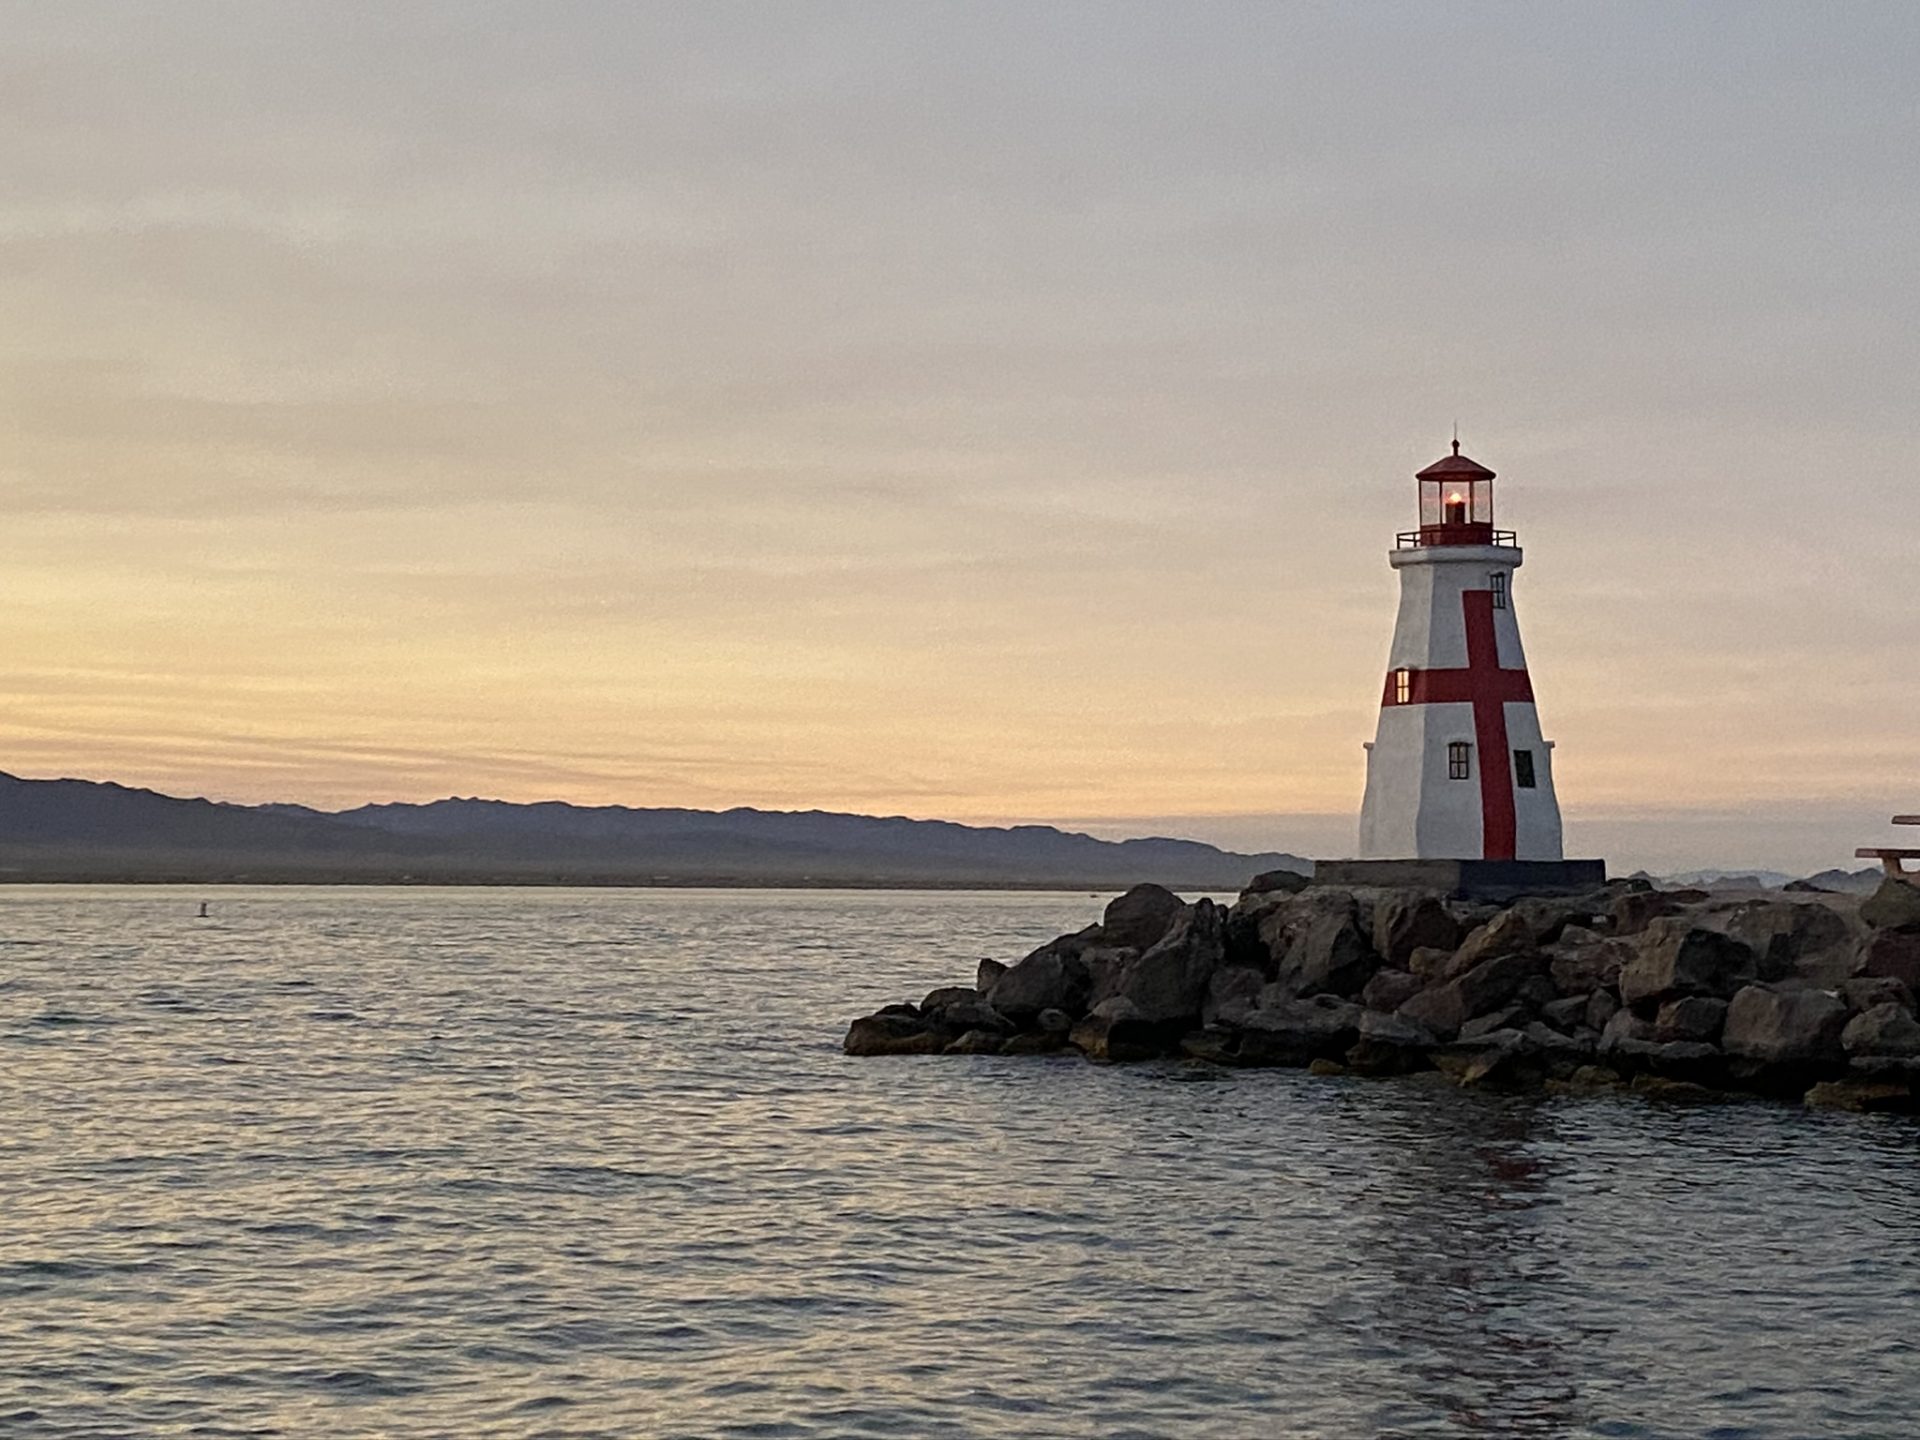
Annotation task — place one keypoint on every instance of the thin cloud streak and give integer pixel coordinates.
(952, 409)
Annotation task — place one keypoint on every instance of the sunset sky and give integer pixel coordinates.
(984, 411)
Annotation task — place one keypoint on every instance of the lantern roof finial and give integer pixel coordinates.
(1455, 467)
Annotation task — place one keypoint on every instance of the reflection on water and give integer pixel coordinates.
(559, 1163)
(1475, 1293)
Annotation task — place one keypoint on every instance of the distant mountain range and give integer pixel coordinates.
(88, 830)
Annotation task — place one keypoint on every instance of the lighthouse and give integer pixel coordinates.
(1459, 777)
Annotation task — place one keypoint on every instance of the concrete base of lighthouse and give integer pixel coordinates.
(1467, 879)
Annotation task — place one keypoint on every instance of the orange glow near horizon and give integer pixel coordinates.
(644, 409)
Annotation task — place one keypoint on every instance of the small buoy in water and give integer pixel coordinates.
(203, 910)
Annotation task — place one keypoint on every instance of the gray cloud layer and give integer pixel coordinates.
(692, 366)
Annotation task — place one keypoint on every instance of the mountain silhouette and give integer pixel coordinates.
(89, 830)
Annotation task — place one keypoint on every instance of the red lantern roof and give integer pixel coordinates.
(1455, 467)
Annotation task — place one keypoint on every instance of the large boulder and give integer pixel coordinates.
(1784, 933)
(1297, 1032)
(1054, 977)
(1886, 1029)
(1329, 955)
(1567, 1013)
(1169, 982)
(1115, 1030)
(1602, 1006)
(1388, 990)
(1867, 991)
(895, 1030)
(1507, 933)
(1894, 906)
(1893, 955)
(1632, 912)
(1406, 920)
(1627, 1036)
(947, 995)
(1548, 917)
(1581, 962)
(988, 975)
(1678, 958)
(1485, 988)
(1286, 882)
(1785, 1027)
(1139, 919)
(1389, 1045)
(1232, 994)
(1508, 1017)
(973, 1014)
(1693, 1017)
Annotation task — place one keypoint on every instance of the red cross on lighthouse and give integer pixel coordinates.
(1488, 688)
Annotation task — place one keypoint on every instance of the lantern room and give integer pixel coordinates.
(1456, 504)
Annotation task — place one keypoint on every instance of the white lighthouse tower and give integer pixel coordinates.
(1457, 769)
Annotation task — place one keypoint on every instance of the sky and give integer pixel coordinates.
(982, 411)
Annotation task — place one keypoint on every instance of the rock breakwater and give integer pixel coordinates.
(1684, 994)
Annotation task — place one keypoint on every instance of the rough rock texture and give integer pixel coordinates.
(1581, 961)
(1116, 1030)
(1232, 994)
(1633, 912)
(1329, 955)
(1624, 1032)
(1694, 1018)
(1679, 958)
(1169, 982)
(1507, 933)
(1867, 991)
(1487, 986)
(1602, 1005)
(1894, 906)
(1893, 955)
(1140, 918)
(1785, 1027)
(1685, 995)
(1405, 921)
(1054, 977)
(1285, 881)
(1297, 1031)
(1781, 932)
(892, 1032)
(1886, 1029)
(1390, 989)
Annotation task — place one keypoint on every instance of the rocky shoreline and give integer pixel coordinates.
(1680, 994)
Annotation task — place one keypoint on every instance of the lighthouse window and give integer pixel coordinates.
(1498, 583)
(1523, 769)
(1403, 687)
(1459, 760)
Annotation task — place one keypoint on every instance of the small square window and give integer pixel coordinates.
(1403, 687)
(1459, 760)
(1497, 582)
(1523, 769)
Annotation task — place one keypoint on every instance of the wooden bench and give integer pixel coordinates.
(1890, 858)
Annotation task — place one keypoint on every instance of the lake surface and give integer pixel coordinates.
(562, 1163)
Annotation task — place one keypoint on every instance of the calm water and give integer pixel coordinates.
(404, 1163)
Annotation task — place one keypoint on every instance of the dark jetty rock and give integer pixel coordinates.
(1677, 995)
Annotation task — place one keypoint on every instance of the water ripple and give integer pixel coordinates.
(417, 1163)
